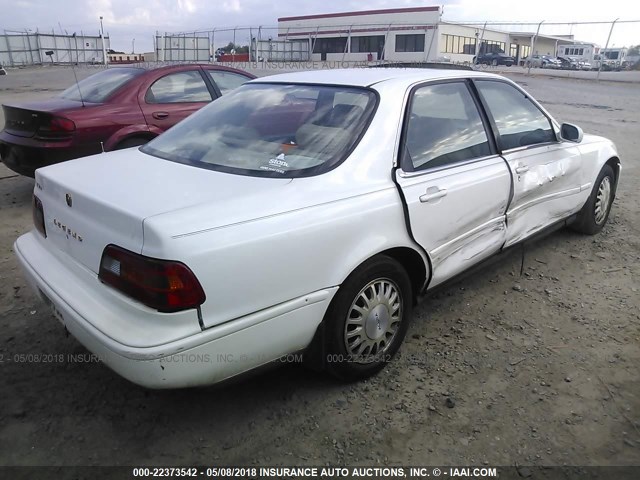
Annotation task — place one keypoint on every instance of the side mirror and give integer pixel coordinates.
(570, 132)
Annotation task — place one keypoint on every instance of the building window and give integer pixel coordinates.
(513, 50)
(525, 50)
(410, 43)
(330, 45)
(456, 44)
(367, 44)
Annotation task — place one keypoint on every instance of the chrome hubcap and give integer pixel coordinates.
(603, 199)
(373, 320)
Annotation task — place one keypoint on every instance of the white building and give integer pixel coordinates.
(405, 35)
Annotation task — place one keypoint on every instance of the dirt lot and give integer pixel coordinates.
(501, 369)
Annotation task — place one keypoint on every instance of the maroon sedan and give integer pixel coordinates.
(115, 108)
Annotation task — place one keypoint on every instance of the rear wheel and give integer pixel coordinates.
(595, 212)
(368, 319)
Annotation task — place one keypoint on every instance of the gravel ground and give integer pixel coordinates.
(499, 369)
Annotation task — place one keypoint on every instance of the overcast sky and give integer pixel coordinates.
(126, 20)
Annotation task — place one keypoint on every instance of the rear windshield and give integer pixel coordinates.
(98, 87)
(271, 130)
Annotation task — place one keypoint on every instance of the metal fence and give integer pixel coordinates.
(278, 43)
(280, 50)
(18, 49)
(182, 47)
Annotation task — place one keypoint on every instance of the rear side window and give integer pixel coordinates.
(179, 87)
(98, 87)
(519, 121)
(444, 127)
(227, 81)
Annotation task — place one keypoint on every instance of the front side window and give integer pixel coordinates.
(519, 121)
(179, 87)
(271, 130)
(443, 127)
(227, 81)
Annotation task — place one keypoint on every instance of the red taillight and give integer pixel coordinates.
(61, 124)
(164, 285)
(38, 216)
(56, 128)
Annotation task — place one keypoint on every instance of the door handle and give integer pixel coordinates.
(522, 169)
(433, 193)
(160, 115)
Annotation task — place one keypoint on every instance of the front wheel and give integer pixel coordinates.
(595, 212)
(368, 319)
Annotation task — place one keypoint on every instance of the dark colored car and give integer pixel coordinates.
(494, 58)
(116, 108)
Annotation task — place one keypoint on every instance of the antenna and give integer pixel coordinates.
(77, 84)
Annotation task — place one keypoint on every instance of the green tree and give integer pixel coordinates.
(635, 50)
(239, 49)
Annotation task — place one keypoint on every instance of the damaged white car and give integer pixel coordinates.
(303, 212)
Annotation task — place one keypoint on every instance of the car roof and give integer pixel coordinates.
(366, 77)
(153, 66)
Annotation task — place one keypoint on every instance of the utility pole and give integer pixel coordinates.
(602, 54)
(104, 47)
(533, 46)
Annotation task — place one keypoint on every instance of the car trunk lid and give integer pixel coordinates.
(25, 119)
(104, 199)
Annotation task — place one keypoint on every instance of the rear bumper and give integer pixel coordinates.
(201, 358)
(25, 159)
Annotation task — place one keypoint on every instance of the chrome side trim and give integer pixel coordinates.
(551, 196)
(485, 226)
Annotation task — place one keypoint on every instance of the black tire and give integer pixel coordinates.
(354, 363)
(590, 219)
(131, 142)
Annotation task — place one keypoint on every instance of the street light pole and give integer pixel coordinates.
(104, 47)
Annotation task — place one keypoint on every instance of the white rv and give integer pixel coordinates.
(611, 58)
(583, 54)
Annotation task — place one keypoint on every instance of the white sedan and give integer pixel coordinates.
(303, 212)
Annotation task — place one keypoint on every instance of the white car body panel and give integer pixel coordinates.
(469, 215)
(547, 181)
(271, 253)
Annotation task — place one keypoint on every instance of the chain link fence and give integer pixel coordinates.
(36, 48)
(347, 42)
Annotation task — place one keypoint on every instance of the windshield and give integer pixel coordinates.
(271, 130)
(98, 87)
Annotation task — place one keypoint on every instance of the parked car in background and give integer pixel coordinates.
(116, 108)
(567, 63)
(494, 58)
(584, 65)
(542, 61)
(303, 212)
